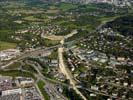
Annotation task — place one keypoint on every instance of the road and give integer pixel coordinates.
(42, 98)
(28, 54)
(35, 52)
(41, 76)
(50, 88)
(64, 70)
(66, 73)
(71, 34)
(63, 67)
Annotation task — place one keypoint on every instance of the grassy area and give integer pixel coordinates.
(15, 73)
(50, 11)
(67, 6)
(41, 85)
(6, 45)
(81, 33)
(31, 18)
(107, 19)
(54, 54)
(29, 68)
(14, 65)
(49, 42)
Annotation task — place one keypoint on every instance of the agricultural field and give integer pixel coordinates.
(67, 6)
(28, 15)
(6, 45)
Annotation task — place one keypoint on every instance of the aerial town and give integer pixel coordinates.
(66, 50)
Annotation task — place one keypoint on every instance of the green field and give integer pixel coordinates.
(15, 65)
(41, 85)
(30, 18)
(16, 73)
(108, 19)
(67, 6)
(49, 42)
(6, 45)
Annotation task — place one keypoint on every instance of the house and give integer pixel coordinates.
(82, 75)
(93, 95)
(121, 59)
(94, 88)
(53, 63)
(25, 82)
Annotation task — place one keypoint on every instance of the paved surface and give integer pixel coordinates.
(63, 67)
(61, 63)
(49, 88)
(33, 53)
(66, 73)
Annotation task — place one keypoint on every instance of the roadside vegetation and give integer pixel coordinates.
(41, 86)
(15, 65)
(71, 94)
(16, 73)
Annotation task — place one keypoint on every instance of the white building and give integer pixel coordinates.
(8, 54)
(10, 92)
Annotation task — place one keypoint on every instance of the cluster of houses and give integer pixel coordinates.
(20, 88)
(43, 30)
(112, 91)
(32, 36)
(78, 56)
(50, 30)
(110, 84)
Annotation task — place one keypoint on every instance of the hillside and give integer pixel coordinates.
(123, 25)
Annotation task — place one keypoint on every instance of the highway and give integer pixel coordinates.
(63, 67)
(36, 52)
(41, 76)
(49, 87)
(48, 81)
